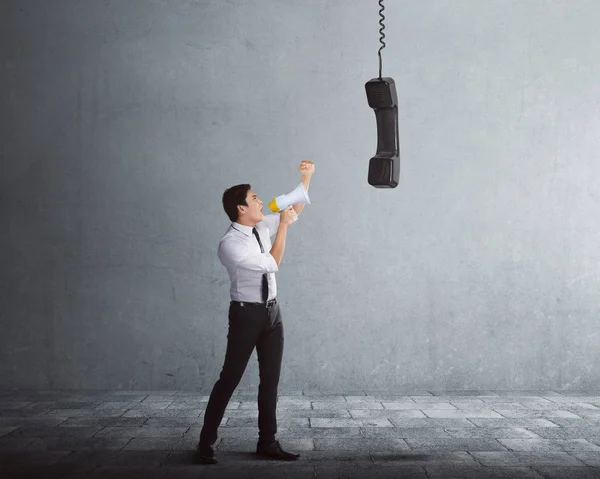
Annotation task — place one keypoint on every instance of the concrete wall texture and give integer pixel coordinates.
(124, 121)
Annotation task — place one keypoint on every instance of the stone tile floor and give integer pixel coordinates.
(347, 434)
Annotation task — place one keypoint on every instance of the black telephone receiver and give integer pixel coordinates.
(384, 167)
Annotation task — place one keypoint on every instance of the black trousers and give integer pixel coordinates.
(250, 326)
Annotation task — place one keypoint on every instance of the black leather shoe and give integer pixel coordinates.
(275, 451)
(205, 455)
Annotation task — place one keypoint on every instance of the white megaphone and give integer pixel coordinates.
(299, 195)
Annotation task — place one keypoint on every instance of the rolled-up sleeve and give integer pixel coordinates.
(239, 255)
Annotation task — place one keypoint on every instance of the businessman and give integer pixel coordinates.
(254, 313)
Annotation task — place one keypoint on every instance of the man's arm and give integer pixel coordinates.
(236, 253)
(307, 168)
(286, 219)
(271, 222)
(279, 243)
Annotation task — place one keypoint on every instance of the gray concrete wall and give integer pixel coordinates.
(124, 121)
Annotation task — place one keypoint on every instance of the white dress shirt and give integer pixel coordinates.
(240, 253)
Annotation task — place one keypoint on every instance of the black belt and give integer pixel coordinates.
(268, 304)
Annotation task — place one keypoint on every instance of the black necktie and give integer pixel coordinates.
(265, 281)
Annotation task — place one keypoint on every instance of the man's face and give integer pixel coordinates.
(253, 212)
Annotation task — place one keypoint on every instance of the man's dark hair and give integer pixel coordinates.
(234, 196)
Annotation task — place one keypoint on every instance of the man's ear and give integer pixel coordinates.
(240, 209)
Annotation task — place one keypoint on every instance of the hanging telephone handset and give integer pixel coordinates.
(384, 167)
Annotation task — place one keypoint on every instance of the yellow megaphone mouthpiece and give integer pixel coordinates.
(273, 205)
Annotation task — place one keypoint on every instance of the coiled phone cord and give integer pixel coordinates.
(381, 33)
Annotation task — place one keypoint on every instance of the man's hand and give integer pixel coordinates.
(287, 216)
(306, 168)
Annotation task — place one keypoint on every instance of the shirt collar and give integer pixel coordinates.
(247, 230)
